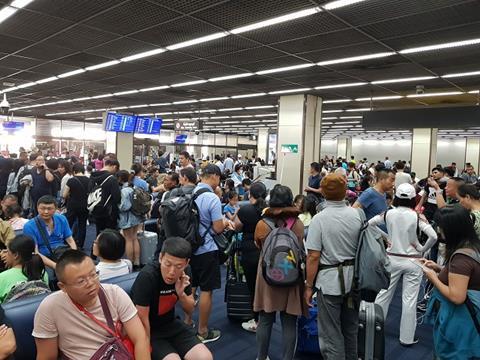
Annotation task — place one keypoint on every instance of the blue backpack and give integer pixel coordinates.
(447, 318)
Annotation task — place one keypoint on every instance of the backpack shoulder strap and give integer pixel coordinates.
(290, 223)
(43, 235)
(270, 222)
(104, 181)
(200, 192)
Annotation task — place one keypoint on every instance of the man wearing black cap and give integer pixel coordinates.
(204, 262)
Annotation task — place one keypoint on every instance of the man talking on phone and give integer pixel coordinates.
(42, 182)
(158, 287)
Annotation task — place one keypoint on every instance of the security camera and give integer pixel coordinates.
(5, 105)
(420, 89)
(197, 132)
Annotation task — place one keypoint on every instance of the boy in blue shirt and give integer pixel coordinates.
(230, 210)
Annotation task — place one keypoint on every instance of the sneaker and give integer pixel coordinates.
(250, 326)
(210, 336)
(415, 341)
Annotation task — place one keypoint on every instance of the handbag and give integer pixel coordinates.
(118, 347)
(56, 253)
(222, 242)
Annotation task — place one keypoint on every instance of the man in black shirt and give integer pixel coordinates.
(433, 193)
(155, 292)
(313, 188)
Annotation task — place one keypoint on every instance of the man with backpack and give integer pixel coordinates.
(205, 261)
(105, 196)
(332, 245)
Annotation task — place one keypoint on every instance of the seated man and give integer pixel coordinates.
(53, 226)
(7, 337)
(155, 292)
(61, 323)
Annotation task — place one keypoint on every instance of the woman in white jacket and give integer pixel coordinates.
(404, 251)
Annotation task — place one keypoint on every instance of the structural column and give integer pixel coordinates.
(122, 145)
(298, 142)
(424, 151)
(262, 144)
(472, 153)
(344, 147)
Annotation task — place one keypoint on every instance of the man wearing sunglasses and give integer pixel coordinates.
(158, 287)
(61, 325)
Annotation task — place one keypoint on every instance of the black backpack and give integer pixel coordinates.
(98, 203)
(22, 187)
(180, 217)
(141, 202)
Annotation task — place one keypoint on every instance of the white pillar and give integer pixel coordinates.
(262, 144)
(124, 145)
(344, 147)
(299, 122)
(424, 151)
(472, 153)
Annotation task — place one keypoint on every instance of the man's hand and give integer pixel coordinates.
(3, 330)
(431, 182)
(307, 294)
(182, 283)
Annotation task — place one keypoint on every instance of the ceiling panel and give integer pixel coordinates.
(80, 37)
(189, 6)
(45, 52)
(132, 16)
(119, 48)
(10, 44)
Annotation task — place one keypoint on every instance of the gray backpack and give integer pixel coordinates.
(372, 265)
(26, 289)
(283, 259)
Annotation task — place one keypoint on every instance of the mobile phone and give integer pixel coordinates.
(417, 263)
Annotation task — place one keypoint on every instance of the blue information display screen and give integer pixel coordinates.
(148, 125)
(13, 125)
(181, 138)
(120, 122)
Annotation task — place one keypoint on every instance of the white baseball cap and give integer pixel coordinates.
(405, 191)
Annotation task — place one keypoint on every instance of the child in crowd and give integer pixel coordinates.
(230, 210)
(243, 190)
(14, 215)
(229, 186)
(110, 247)
(298, 202)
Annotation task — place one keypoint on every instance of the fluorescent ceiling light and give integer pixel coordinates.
(10, 89)
(184, 102)
(137, 106)
(164, 113)
(276, 20)
(441, 46)
(471, 73)
(286, 68)
(64, 101)
(102, 96)
(119, 108)
(289, 91)
(26, 85)
(82, 98)
(241, 116)
(6, 12)
(43, 81)
(266, 115)
(196, 41)
(125, 92)
(215, 98)
(435, 94)
(71, 73)
(248, 95)
(474, 92)
(374, 98)
(336, 101)
(351, 117)
(102, 65)
(154, 88)
(331, 111)
(19, 4)
(355, 58)
(392, 81)
(360, 109)
(340, 86)
(259, 107)
(142, 55)
(219, 117)
(160, 104)
(347, 122)
(231, 109)
(328, 118)
(189, 83)
(228, 77)
(339, 3)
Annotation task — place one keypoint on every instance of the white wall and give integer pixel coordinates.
(375, 150)
(449, 151)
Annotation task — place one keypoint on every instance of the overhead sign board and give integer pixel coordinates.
(186, 125)
(290, 148)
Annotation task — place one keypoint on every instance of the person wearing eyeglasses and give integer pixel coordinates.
(72, 322)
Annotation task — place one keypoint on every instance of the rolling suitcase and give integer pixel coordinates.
(148, 244)
(371, 335)
(237, 295)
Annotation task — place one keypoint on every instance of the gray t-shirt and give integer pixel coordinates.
(334, 232)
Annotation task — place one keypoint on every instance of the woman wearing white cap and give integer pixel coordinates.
(403, 225)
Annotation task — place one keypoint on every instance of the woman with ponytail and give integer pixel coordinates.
(246, 221)
(23, 263)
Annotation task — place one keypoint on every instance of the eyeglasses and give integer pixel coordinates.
(82, 282)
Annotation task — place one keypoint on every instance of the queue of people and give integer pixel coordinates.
(430, 230)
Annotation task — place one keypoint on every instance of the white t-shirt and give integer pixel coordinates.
(402, 178)
(110, 270)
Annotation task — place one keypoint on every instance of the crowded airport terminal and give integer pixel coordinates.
(240, 179)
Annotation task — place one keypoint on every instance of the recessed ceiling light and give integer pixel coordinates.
(71, 73)
(448, 45)
(196, 41)
(195, 82)
(286, 68)
(323, 87)
(355, 58)
(142, 55)
(229, 77)
(408, 79)
(447, 93)
(276, 20)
